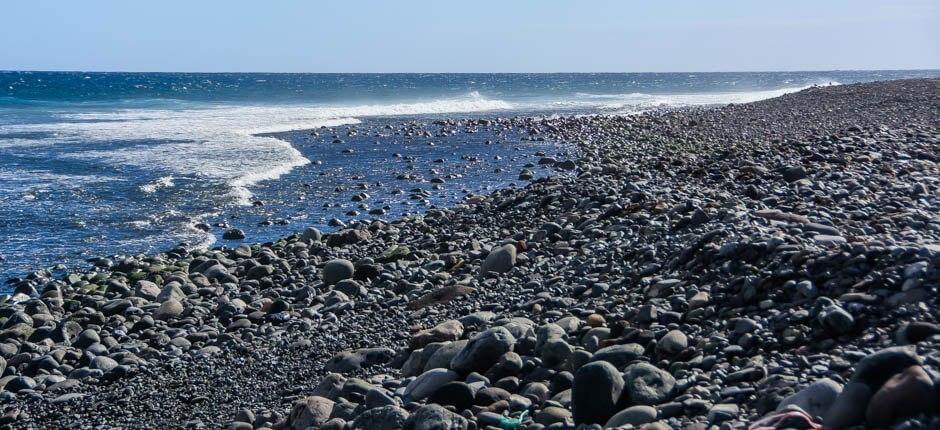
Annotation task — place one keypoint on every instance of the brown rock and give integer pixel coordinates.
(906, 394)
(309, 412)
(596, 320)
(446, 331)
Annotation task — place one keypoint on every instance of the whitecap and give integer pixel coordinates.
(220, 142)
(162, 182)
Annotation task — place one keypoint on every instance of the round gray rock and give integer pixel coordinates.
(648, 384)
(338, 270)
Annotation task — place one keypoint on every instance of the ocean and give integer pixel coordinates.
(101, 164)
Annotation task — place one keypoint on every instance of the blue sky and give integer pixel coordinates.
(474, 36)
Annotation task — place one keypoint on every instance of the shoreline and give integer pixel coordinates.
(784, 228)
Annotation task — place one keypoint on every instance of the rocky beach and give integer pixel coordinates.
(774, 264)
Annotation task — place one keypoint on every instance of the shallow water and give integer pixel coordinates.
(105, 163)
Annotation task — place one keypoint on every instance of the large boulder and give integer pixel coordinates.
(595, 392)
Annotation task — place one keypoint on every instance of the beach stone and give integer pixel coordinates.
(172, 291)
(435, 417)
(849, 407)
(312, 411)
(723, 412)
(259, 272)
(233, 234)
(551, 415)
(555, 352)
(350, 361)
(916, 331)
(499, 260)
(428, 382)
(483, 350)
(387, 417)
(18, 383)
(146, 289)
(103, 363)
(455, 393)
(672, 343)
(815, 398)
(348, 237)
(836, 320)
(904, 395)
(634, 415)
(442, 357)
(86, 338)
(619, 355)
(311, 234)
(169, 309)
(546, 332)
(596, 390)
(330, 386)
(877, 367)
(793, 173)
(446, 331)
(351, 288)
(647, 384)
(337, 270)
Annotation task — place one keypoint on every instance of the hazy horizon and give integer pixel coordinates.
(486, 37)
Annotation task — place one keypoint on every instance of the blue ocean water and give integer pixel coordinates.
(95, 164)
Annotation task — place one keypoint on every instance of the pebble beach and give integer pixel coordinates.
(773, 264)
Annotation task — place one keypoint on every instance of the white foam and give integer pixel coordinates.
(217, 142)
(633, 102)
(163, 182)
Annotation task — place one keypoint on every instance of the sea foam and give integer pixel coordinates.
(220, 142)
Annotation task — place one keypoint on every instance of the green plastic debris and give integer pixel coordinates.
(509, 423)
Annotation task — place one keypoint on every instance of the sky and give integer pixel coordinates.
(472, 36)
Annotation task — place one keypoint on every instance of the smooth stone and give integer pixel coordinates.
(618, 355)
(723, 412)
(499, 260)
(815, 398)
(596, 390)
(312, 411)
(428, 382)
(483, 351)
(849, 407)
(446, 331)
(442, 357)
(672, 343)
(388, 417)
(169, 309)
(337, 270)
(647, 384)
(634, 415)
(435, 417)
(878, 367)
(904, 395)
(455, 393)
(551, 415)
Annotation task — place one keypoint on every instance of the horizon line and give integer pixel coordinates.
(473, 73)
